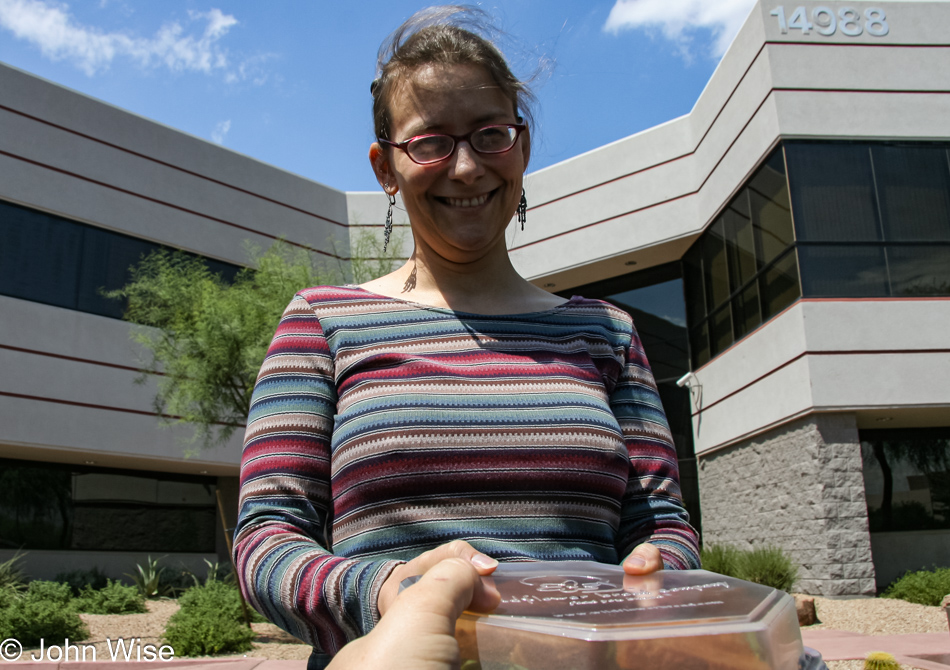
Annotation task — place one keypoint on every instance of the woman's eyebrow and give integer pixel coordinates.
(439, 128)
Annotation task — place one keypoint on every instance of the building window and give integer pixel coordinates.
(872, 219)
(654, 299)
(743, 270)
(907, 478)
(55, 261)
(852, 220)
(54, 506)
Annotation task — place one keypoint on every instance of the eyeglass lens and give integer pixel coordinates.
(488, 140)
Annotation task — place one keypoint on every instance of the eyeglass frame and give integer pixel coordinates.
(404, 145)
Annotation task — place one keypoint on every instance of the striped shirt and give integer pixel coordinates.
(380, 428)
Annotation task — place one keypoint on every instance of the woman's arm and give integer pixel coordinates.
(652, 507)
(281, 542)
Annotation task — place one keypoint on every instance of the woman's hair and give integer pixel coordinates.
(444, 35)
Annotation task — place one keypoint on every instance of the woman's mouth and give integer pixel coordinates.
(468, 202)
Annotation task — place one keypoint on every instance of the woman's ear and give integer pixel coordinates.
(526, 146)
(382, 168)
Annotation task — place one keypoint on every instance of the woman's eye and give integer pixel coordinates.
(431, 146)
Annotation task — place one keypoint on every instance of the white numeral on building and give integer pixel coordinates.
(825, 22)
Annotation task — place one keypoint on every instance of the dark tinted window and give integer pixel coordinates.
(53, 506)
(832, 186)
(743, 269)
(914, 189)
(52, 260)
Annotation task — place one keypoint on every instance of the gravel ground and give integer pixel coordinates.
(877, 616)
(870, 616)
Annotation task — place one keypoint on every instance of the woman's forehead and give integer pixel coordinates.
(429, 93)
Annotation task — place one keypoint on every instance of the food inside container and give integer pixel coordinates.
(579, 615)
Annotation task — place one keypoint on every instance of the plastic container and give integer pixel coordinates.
(579, 615)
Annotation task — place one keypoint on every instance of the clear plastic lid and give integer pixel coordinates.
(579, 615)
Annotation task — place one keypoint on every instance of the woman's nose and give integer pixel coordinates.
(466, 164)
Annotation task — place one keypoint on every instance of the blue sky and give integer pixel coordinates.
(287, 82)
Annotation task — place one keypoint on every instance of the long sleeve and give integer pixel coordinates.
(282, 540)
(652, 505)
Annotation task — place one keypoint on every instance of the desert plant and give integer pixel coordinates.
(114, 598)
(77, 579)
(721, 558)
(769, 566)
(44, 612)
(209, 622)
(149, 579)
(11, 577)
(880, 660)
(924, 587)
(763, 565)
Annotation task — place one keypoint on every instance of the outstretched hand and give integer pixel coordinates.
(418, 630)
(483, 565)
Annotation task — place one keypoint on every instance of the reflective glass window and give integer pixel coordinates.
(907, 478)
(779, 286)
(52, 260)
(58, 506)
(715, 267)
(913, 184)
(840, 270)
(919, 270)
(745, 310)
(770, 210)
(720, 329)
(832, 191)
(40, 256)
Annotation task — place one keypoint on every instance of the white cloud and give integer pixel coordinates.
(220, 131)
(52, 28)
(677, 19)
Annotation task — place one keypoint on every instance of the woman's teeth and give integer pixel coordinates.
(468, 202)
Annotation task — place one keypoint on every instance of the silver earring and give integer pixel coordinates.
(522, 210)
(388, 229)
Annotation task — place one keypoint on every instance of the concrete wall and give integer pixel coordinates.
(45, 564)
(798, 487)
(876, 358)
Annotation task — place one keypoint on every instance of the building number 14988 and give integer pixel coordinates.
(824, 21)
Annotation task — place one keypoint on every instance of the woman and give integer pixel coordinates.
(450, 408)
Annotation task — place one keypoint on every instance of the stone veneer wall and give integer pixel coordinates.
(799, 487)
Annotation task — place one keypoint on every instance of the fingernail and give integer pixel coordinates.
(636, 562)
(483, 561)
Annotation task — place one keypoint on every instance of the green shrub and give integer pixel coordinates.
(720, 558)
(77, 579)
(769, 566)
(922, 587)
(46, 611)
(114, 598)
(210, 621)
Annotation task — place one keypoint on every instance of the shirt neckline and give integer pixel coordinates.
(449, 310)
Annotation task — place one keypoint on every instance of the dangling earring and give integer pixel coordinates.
(522, 210)
(388, 229)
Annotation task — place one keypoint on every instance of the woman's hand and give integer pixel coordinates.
(418, 630)
(485, 599)
(643, 560)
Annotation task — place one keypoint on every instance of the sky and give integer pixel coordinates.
(287, 82)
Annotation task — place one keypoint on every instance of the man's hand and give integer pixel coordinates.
(418, 630)
(483, 564)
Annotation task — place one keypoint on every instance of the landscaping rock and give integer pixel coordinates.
(805, 607)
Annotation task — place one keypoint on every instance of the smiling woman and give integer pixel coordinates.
(450, 408)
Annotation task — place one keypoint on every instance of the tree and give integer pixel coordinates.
(207, 337)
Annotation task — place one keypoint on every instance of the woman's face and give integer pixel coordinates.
(459, 207)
